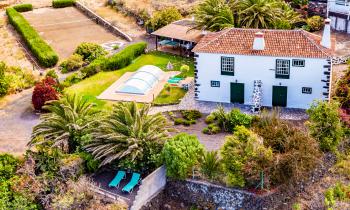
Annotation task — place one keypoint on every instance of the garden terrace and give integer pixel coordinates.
(65, 28)
(96, 84)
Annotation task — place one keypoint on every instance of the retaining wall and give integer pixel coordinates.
(150, 187)
(99, 20)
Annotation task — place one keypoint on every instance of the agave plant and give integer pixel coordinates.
(126, 132)
(65, 122)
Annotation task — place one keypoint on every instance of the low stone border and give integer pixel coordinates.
(99, 20)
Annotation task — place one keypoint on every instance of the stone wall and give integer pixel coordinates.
(206, 196)
(99, 20)
(150, 187)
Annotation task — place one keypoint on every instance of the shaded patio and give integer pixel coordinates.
(178, 37)
(104, 177)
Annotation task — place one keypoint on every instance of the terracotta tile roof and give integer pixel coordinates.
(180, 30)
(284, 43)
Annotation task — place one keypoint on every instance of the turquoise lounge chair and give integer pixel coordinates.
(135, 179)
(117, 179)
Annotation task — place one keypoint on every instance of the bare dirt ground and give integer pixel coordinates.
(64, 29)
(11, 51)
(16, 122)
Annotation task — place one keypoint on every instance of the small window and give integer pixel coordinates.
(215, 83)
(298, 63)
(306, 90)
(340, 2)
(282, 68)
(227, 66)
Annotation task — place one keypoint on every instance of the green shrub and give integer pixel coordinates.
(191, 114)
(315, 23)
(210, 164)
(163, 17)
(72, 79)
(90, 164)
(243, 156)
(325, 125)
(180, 154)
(40, 49)
(74, 62)
(62, 3)
(236, 117)
(52, 73)
(178, 121)
(90, 51)
(210, 119)
(4, 83)
(23, 7)
(339, 192)
(8, 166)
(211, 129)
(117, 61)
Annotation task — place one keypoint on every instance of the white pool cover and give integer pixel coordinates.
(142, 80)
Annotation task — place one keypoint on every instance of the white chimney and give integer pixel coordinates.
(259, 41)
(326, 37)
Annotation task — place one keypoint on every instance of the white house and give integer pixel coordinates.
(294, 66)
(339, 13)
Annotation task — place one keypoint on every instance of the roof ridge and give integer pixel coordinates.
(313, 41)
(220, 35)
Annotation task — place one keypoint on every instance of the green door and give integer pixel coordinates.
(237, 93)
(279, 96)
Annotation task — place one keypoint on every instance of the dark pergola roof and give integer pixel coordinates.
(180, 30)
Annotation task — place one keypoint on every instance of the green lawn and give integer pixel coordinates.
(172, 97)
(95, 85)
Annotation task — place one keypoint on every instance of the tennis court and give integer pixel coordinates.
(64, 29)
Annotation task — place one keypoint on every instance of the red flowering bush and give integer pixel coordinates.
(44, 91)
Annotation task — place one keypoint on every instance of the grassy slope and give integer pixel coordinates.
(95, 85)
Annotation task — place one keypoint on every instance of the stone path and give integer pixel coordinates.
(206, 107)
(16, 122)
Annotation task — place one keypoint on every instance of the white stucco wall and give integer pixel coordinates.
(333, 7)
(250, 68)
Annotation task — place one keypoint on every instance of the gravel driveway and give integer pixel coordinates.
(16, 122)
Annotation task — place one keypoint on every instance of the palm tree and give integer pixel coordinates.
(65, 122)
(257, 13)
(126, 133)
(213, 15)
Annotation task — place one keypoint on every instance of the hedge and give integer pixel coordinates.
(62, 3)
(117, 61)
(23, 7)
(40, 49)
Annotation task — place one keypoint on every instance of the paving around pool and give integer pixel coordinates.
(65, 28)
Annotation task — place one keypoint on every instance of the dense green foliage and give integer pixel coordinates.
(10, 198)
(90, 51)
(14, 79)
(128, 134)
(40, 49)
(74, 62)
(117, 61)
(180, 154)
(227, 121)
(315, 23)
(4, 83)
(215, 15)
(295, 152)
(244, 155)
(23, 7)
(62, 3)
(66, 122)
(210, 164)
(339, 192)
(325, 125)
(163, 17)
